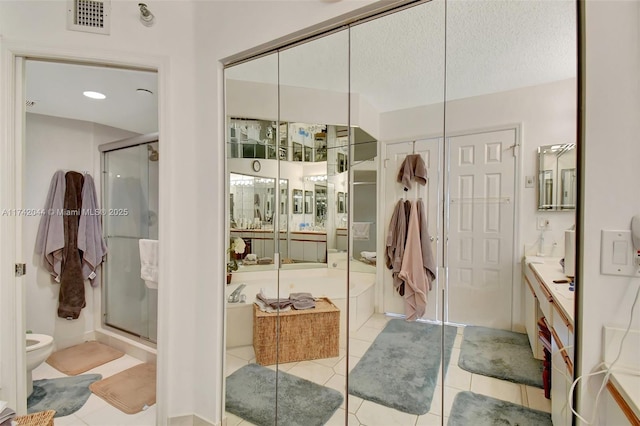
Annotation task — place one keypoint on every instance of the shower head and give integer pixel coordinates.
(153, 154)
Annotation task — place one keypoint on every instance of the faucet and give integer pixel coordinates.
(235, 297)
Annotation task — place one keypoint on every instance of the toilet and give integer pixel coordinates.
(39, 347)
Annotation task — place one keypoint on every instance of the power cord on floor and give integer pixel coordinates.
(605, 370)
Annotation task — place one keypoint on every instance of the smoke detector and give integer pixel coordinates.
(90, 16)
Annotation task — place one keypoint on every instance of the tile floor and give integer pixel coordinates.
(331, 373)
(96, 411)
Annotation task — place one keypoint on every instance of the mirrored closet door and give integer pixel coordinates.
(380, 231)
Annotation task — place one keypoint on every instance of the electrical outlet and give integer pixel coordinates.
(543, 224)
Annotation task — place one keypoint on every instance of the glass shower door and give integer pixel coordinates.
(130, 188)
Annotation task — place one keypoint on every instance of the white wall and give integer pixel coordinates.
(610, 172)
(52, 144)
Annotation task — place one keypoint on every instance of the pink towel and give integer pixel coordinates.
(412, 271)
(412, 168)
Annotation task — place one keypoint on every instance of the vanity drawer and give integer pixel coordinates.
(563, 330)
(543, 295)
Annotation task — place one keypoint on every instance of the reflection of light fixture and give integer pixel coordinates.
(316, 178)
(94, 95)
(146, 17)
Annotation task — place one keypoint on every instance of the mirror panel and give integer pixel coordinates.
(397, 85)
(251, 110)
(511, 83)
(314, 104)
(557, 186)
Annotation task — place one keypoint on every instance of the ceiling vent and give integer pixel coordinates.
(91, 16)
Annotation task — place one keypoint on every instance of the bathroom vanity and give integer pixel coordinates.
(554, 302)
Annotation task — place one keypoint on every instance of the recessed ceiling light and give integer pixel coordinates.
(94, 95)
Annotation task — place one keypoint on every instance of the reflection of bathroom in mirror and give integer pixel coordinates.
(557, 185)
(343, 155)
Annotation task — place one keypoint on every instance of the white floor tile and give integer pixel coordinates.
(436, 402)
(354, 403)
(372, 414)
(341, 367)
(353, 420)
(70, 420)
(367, 334)
(455, 356)
(457, 343)
(329, 362)
(449, 396)
(458, 378)
(232, 419)
(45, 371)
(115, 366)
(110, 416)
(233, 364)
(429, 420)
(339, 383)
(311, 371)
(358, 347)
(536, 399)
(338, 418)
(353, 360)
(377, 321)
(93, 403)
(244, 352)
(496, 388)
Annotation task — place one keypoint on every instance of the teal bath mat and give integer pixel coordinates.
(500, 354)
(479, 410)
(66, 395)
(401, 367)
(251, 395)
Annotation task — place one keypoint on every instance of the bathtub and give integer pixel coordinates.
(320, 282)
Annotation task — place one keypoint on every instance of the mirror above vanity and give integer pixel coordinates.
(557, 185)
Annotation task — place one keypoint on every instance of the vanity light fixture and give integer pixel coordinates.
(94, 95)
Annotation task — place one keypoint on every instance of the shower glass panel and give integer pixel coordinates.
(130, 188)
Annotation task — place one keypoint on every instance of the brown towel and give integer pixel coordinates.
(71, 298)
(396, 238)
(428, 259)
(413, 272)
(412, 168)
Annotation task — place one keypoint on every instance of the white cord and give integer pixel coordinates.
(607, 371)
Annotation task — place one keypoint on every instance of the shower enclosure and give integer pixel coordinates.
(130, 203)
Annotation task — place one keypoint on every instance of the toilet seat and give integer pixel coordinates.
(39, 341)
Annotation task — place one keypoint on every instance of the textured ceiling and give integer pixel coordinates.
(399, 61)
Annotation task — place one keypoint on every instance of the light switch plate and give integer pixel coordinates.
(617, 255)
(529, 181)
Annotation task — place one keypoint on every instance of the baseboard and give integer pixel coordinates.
(135, 349)
(192, 420)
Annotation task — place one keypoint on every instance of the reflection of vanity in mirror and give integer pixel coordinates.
(312, 166)
(557, 185)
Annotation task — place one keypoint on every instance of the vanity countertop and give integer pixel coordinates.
(310, 232)
(548, 269)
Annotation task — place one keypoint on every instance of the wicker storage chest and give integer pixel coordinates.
(303, 335)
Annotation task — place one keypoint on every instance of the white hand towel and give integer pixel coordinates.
(360, 230)
(149, 262)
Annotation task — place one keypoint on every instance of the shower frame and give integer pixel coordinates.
(145, 139)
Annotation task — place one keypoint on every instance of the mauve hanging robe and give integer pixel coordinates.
(412, 271)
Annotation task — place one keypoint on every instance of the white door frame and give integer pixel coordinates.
(12, 300)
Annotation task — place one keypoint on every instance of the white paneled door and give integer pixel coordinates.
(479, 249)
(471, 219)
(431, 194)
